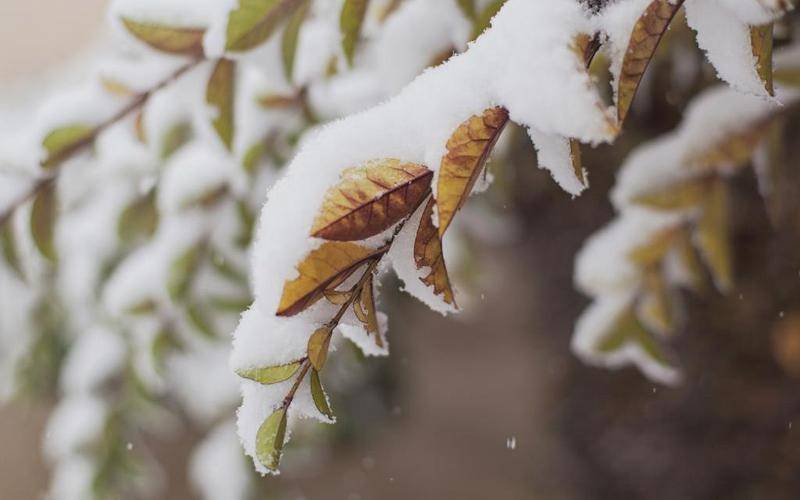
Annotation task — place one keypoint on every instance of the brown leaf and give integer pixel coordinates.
(679, 196)
(370, 199)
(323, 268)
(318, 345)
(467, 151)
(646, 35)
(428, 254)
(652, 252)
(761, 43)
(364, 309)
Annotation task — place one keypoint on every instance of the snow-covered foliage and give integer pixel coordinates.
(128, 204)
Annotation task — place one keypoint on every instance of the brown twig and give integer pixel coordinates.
(55, 162)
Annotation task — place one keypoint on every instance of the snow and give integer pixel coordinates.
(96, 357)
(217, 468)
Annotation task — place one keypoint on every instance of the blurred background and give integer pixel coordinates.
(492, 404)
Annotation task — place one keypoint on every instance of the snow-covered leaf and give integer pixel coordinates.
(319, 396)
(370, 199)
(318, 345)
(682, 195)
(182, 271)
(364, 309)
(270, 438)
(467, 151)
(290, 37)
(761, 42)
(139, 219)
(428, 254)
(712, 235)
(322, 268)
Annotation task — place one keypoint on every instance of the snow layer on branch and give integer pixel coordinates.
(594, 324)
(715, 114)
(555, 155)
(524, 62)
(93, 360)
(602, 266)
(76, 422)
(216, 467)
(725, 38)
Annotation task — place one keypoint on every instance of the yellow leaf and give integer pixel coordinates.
(175, 137)
(350, 23)
(644, 40)
(220, 94)
(171, 39)
(289, 39)
(254, 21)
(370, 199)
(467, 151)
(318, 345)
(428, 254)
(652, 252)
(679, 196)
(484, 17)
(627, 328)
(43, 220)
(691, 262)
(324, 266)
(64, 142)
(337, 297)
(655, 308)
(116, 87)
(364, 309)
(761, 43)
(269, 439)
(270, 374)
(468, 8)
(712, 236)
(734, 150)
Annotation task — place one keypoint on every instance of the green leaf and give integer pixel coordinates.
(270, 374)
(43, 220)
(9, 247)
(207, 199)
(177, 135)
(224, 267)
(318, 394)
(290, 36)
(139, 220)
(627, 328)
(171, 39)
(182, 271)
(231, 304)
(269, 440)
(468, 8)
(220, 94)
(145, 307)
(247, 221)
(164, 342)
(318, 345)
(63, 142)
(484, 18)
(254, 21)
(350, 23)
(253, 156)
(197, 317)
(682, 195)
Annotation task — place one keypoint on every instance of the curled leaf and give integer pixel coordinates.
(337, 297)
(318, 345)
(319, 396)
(428, 254)
(43, 220)
(63, 142)
(370, 199)
(761, 43)
(171, 39)
(712, 236)
(270, 374)
(220, 94)
(289, 39)
(467, 151)
(270, 438)
(254, 21)
(364, 309)
(644, 40)
(330, 263)
(350, 22)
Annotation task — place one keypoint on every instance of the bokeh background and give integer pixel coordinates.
(492, 404)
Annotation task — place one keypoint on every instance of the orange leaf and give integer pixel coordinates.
(364, 308)
(761, 43)
(322, 268)
(370, 199)
(646, 35)
(428, 253)
(467, 151)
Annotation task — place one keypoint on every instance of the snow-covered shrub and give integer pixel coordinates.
(130, 204)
